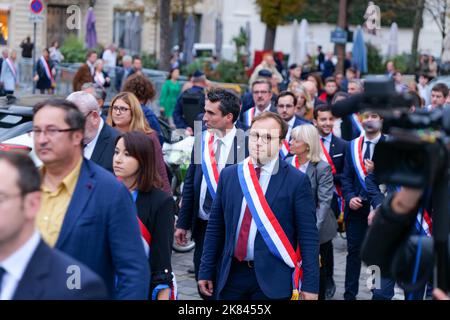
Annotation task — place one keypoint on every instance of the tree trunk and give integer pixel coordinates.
(269, 40)
(164, 34)
(342, 23)
(418, 22)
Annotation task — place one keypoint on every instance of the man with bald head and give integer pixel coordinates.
(99, 137)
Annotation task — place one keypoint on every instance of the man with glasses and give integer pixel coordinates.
(99, 137)
(262, 96)
(243, 250)
(286, 102)
(86, 213)
(29, 269)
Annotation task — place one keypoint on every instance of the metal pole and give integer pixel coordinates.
(34, 57)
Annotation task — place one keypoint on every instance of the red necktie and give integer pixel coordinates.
(241, 247)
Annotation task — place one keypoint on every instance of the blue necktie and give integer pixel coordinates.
(367, 153)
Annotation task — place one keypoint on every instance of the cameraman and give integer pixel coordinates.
(390, 229)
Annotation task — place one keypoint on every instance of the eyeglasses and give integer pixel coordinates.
(120, 109)
(254, 136)
(287, 106)
(5, 197)
(51, 132)
(260, 92)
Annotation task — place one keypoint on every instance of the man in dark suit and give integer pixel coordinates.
(357, 198)
(248, 99)
(262, 97)
(237, 262)
(124, 72)
(29, 269)
(99, 137)
(334, 150)
(86, 212)
(221, 111)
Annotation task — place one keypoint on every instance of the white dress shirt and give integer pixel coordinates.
(15, 266)
(304, 167)
(89, 149)
(290, 124)
(227, 144)
(264, 179)
(372, 145)
(337, 127)
(257, 112)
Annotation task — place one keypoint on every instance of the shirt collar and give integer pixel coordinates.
(268, 167)
(70, 181)
(94, 141)
(328, 137)
(291, 122)
(17, 263)
(228, 138)
(374, 141)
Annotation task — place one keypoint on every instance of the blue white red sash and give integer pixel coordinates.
(147, 240)
(267, 223)
(338, 191)
(248, 116)
(285, 149)
(358, 161)
(209, 164)
(46, 67)
(12, 67)
(295, 162)
(424, 222)
(357, 123)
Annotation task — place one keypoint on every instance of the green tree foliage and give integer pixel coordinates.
(73, 49)
(279, 12)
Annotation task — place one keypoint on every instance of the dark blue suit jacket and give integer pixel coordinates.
(47, 275)
(104, 148)
(178, 118)
(338, 150)
(351, 187)
(290, 197)
(187, 216)
(101, 230)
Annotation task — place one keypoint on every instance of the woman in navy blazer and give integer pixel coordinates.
(135, 165)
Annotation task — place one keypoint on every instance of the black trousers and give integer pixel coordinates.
(326, 261)
(199, 237)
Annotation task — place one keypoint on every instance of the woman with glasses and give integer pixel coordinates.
(155, 208)
(125, 114)
(305, 146)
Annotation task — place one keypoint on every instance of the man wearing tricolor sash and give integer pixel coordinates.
(334, 151)
(219, 146)
(358, 165)
(262, 95)
(286, 102)
(262, 240)
(9, 77)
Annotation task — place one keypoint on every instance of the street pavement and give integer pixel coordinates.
(187, 288)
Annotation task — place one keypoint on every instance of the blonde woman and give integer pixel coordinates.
(305, 146)
(304, 108)
(125, 114)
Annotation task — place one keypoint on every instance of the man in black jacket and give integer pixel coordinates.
(29, 269)
(100, 138)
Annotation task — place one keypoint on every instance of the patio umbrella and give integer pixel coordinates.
(135, 32)
(303, 41)
(293, 57)
(128, 36)
(248, 31)
(392, 49)
(219, 37)
(189, 38)
(359, 51)
(91, 33)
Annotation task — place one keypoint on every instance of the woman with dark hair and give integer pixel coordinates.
(125, 114)
(136, 167)
(169, 94)
(45, 73)
(317, 79)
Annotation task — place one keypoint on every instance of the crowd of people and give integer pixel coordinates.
(272, 178)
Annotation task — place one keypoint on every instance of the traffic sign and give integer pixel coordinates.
(36, 6)
(35, 18)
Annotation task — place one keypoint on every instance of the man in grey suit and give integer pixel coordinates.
(307, 158)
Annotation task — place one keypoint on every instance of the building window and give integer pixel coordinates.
(4, 31)
(128, 30)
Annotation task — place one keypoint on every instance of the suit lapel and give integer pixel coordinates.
(81, 196)
(30, 286)
(276, 182)
(100, 146)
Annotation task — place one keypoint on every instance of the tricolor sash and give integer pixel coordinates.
(47, 70)
(338, 191)
(295, 162)
(424, 222)
(12, 67)
(357, 123)
(285, 149)
(147, 240)
(358, 161)
(267, 223)
(249, 115)
(209, 164)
